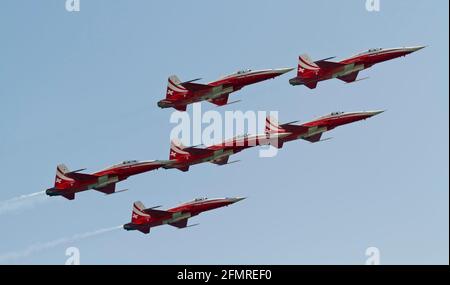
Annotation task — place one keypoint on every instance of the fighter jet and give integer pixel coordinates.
(182, 157)
(67, 182)
(312, 131)
(143, 219)
(309, 72)
(180, 94)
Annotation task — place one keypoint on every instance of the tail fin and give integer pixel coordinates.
(138, 216)
(177, 150)
(306, 66)
(174, 89)
(307, 71)
(272, 126)
(61, 180)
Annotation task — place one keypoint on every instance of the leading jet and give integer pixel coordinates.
(67, 182)
(180, 94)
(143, 219)
(309, 72)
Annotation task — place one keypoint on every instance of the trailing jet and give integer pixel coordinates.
(67, 182)
(180, 94)
(312, 131)
(181, 157)
(143, 219)
(309, 72)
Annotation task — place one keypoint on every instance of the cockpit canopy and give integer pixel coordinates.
(370, 51)
(200, 199)
(336, 113)
(243, 71)
(129, 161)
(374, 49)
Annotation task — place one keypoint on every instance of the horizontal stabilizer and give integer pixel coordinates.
(69, 196)
(190, 81)
(195, 86)
(181, 108)
(196, 150)
(183, 168)
(324, 59)
(328, 64)
(311, 85)
(80, 176)
(75, 171)
(156, 213)
(143, 229)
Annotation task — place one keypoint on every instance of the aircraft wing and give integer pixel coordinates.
(314, 138)
(195, 86)
(221, 161)
(108, 189)
(180, 224)
(220, 101)
(328, 64)
(349, 77)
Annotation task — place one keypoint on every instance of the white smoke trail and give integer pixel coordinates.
(47, 245)
(22, 201)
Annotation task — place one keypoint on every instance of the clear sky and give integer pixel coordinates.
(81, 88)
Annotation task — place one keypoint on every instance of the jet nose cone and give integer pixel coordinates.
(374, 113)
(284, 70)
(414, 49)
(237, 199)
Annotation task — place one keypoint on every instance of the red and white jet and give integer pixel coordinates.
(180, 94)
(312, 131)
(181, 157)
(143, 219)
(67, 182)
(309, 73)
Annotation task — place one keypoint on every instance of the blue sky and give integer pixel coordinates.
(81, 88)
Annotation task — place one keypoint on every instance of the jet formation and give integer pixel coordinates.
(309, 72)
(181, 94)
